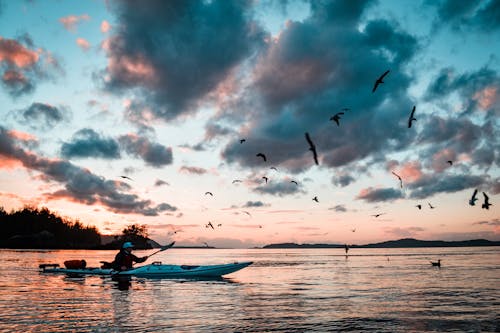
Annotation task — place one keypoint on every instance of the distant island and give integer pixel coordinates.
(401, 243)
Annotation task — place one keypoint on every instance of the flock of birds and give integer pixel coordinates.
(312, 147)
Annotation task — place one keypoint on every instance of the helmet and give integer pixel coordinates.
(127, 245)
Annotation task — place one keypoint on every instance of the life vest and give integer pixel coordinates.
(75, 264)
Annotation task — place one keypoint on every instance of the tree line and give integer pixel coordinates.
(39, 228)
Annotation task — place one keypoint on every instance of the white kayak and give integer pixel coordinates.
(153, 270)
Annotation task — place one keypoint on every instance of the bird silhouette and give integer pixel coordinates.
(273, 168)
(206, 245)
(336, 117)
(411, 118)
(210, 193)
(472, 201)
(262, 155)
(437, 263)
(236, 181)
(399, 177)
(379, 81)
(353, 230)
(209, 225)
(316, 199)
(449, 162)
(312, 148)
(242, 140)
(247, 213)
(419, 206)
(293, 181)
(486, 204)
(431, 206)
(219, 224)
(265, 178)
(125, 177)
(377, 215)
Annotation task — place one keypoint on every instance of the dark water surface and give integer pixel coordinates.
(292, 290)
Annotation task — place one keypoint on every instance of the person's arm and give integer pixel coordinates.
(139, 260)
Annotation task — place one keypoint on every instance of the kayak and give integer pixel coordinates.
(153, 270)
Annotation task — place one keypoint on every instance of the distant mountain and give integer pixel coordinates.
(402, 243)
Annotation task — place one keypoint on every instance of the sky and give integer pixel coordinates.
(153, 112)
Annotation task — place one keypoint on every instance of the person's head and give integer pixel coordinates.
(128, 246)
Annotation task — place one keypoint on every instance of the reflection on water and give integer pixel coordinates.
(293, 290)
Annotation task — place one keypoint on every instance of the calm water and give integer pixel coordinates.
(313, 290)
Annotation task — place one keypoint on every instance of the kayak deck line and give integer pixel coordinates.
(157, 269)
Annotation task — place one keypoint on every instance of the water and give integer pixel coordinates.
(292, 290)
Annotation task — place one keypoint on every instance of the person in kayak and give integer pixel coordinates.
(125, 259)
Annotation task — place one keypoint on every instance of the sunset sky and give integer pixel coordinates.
(163, 91)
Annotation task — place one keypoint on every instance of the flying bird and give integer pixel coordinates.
(293, 181)
(316, 199)
(273, 168)
(209, 225)
(265, 178)
(399, 177)
(419, 206)
(219, 225)
(411, 118)
(486, 204)
(262, 155)
(125, 177)
(377, 215)
(472, 201)
(336, 117)
(247, 213)
(242, 140)
(431, 206)
(312, 148)
(449, 162)
(210, 193)
(236, 181)
(353, 230)
(379, 81)
(437, 263)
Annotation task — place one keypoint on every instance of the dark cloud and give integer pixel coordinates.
(42, 116)
(494, 223)
(88, 143)
(477, 90)
(254, 204)
(279, 188)
(481, 15)
(442, 183)
(343, 180)
(380, 194)
(80, 185)
(153, 154)
(22, 65)
(160, 182)
(308, 73)
(339, 208)
(178, 52)
(193, 170)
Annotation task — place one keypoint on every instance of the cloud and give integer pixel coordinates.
(22, 65)
(70, 22)
(279, 188)
(482, 16)
(379, 195)
(79, 184)
(307, 73)
(185, 64)
(88, 143)
(494, 222)
(254, 204)
(160, 182)
(339, 208)
(83, 43)
(105, 26)
(192, 170)
(42, 116)
(343, 180)
(433, 184)
(403, 232)
(153, 154)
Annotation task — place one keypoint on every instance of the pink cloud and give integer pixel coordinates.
(84, 44)
(486, 98)
(133, 70)
(105, 26)
(13, 53)
(70, 22)
(411, 171)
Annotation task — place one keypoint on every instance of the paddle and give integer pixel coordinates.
(163, 248)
